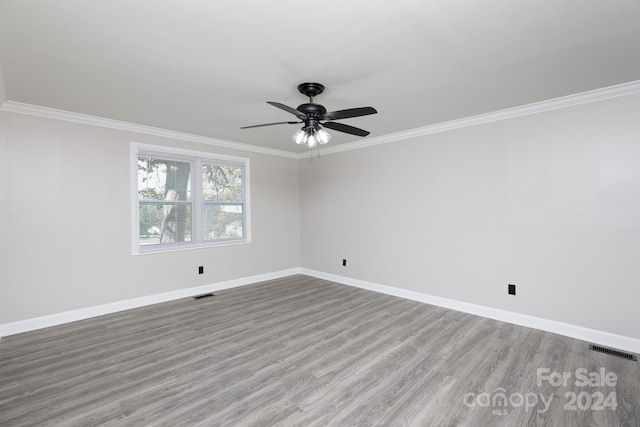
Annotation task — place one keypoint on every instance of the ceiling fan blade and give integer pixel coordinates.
(341, 127)
(351, 112)
(270, 124)
(288, 109)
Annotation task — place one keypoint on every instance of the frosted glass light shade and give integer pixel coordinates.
(312, 141)
(299, 137)
(323, 136)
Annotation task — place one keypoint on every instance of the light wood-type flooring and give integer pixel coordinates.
(301, 351)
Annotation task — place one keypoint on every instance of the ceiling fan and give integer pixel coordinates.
(315, 118)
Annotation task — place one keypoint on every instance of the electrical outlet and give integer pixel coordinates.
(201, 269)
(344, 262)
(512, 289)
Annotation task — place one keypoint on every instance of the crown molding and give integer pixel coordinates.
(52, 113)
(602, 94)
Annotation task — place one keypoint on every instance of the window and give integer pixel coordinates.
(184, 199)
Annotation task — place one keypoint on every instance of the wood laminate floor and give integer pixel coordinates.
(301, 351)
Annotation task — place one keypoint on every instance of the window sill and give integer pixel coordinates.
(147, 250)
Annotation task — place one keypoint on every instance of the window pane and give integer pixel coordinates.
(164, 223)
(223, 221)
(164, 194)
(222, 183)
(163, 179)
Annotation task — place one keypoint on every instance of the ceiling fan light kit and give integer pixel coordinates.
(315, 118)
(311, 136)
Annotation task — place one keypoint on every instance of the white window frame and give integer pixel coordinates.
(197, 158)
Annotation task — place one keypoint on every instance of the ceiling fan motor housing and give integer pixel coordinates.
(314, 113)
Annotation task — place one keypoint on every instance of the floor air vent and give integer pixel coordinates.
(612, 352)
(203, 296)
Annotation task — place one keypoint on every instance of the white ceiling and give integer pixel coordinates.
(208, 67)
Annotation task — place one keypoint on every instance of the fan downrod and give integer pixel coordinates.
(311, 89)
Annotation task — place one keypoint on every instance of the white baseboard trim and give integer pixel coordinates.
(591, 335)
(99, 310)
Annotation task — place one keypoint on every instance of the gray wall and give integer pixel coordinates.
(65, 221)
(550, 202)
